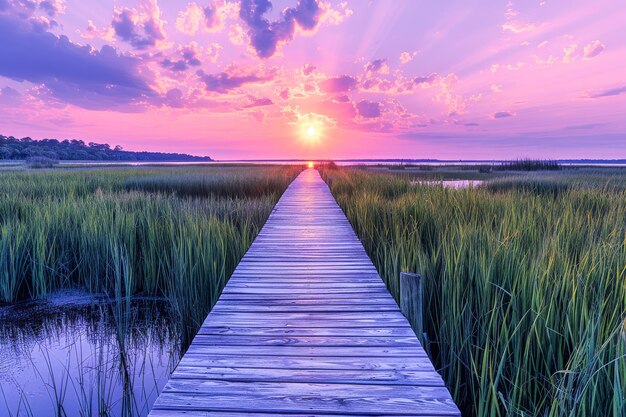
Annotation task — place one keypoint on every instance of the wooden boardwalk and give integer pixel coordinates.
(305, 327)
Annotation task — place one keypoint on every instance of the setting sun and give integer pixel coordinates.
(312, 129)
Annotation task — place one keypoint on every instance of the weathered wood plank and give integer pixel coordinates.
(393, 332)
(311, 291)
(308, 362)
(189, 413)
(227, 300)
(308, 341)
(324, 376)
(304, 297)
(305, 327)
(293, 317)
(278, 305)
(390, 400)
(337, 324)
(200, 348)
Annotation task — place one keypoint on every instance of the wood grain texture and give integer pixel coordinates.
(305, 327)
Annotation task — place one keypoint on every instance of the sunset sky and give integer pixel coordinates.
(319, 78)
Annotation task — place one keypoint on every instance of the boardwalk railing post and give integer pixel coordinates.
(412, 300)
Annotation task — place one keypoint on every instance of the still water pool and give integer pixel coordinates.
(76, 355)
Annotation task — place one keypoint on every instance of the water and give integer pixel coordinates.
(79, 355)
(345, 162)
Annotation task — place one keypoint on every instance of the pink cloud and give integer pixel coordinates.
(308, 69)
(284, 94)
(340, 111)
(519, 27)
(406, 57)
(570, 53)
(92, 32)
(258, 102)
(593, 49)
(334, 16)
(190, 20)
(338, 84)
(212, 18)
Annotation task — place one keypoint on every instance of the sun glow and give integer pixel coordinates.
(310, 132)
(311, 128)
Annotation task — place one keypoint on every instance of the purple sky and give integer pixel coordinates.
(320, 78)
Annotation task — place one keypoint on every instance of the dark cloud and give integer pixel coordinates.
(259, 102)
(308, 69)
(338, 84)
(190, 55)
(174, 98)
(502, 114)
(471, 124)
(26, 9)
(9, 93)
(70, 72)
(609, 93)
(141, 35)
(368, 109)
(265, 35)
(224, 82)
(284, 94)
(42, 24)
(428, 79)
(10, 96)
(210, 16)
(376, 65)
(51, 7)
(369, 84)
(189, 58)
(585, 126)
(124, 26)
(378, 84)
(174, 65)
(20, 8)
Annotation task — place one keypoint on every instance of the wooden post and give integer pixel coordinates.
(412, 300)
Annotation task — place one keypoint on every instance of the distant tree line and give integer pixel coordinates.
(77, 150)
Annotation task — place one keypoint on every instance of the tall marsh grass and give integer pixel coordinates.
(529, 165)
(168, 232)
(525, 291)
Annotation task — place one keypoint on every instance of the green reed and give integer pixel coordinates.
(525, 290)
(174, 232)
